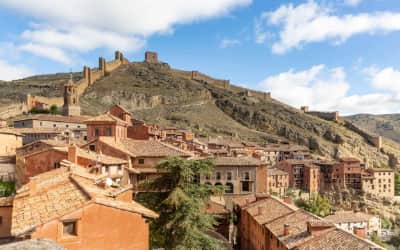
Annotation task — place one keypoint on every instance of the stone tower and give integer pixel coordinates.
(71, 99)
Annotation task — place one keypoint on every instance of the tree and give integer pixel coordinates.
(317, 205)
(397, 184)
(54, 109)
(183, 222)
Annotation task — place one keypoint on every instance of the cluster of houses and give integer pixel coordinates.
(76, 179)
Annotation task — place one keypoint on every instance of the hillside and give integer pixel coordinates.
(384, 125)
(158, 94)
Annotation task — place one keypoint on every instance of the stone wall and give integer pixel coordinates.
(90, 75)
(375, 140)
(13, 110)
(329, 116)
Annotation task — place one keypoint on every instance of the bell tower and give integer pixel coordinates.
(71, 99)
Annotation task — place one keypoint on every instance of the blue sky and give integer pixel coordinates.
(330, 54)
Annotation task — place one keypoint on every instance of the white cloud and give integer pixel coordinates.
(311, 22)
(352, 2)
(11, 72)
(225, 43)
(385, 79)
(327, 89)
(49, 52)
(81, 26)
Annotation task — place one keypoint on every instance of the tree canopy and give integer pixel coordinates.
(317, 205)
(182, 203)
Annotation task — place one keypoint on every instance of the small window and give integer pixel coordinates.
(1, 220)
(108, 132)
(92, 148)
(70, 228)
(54, 125)
(229, 176)
(67, 126)
(96, 132)
(57, 165)
(141, 161)
(218, 175)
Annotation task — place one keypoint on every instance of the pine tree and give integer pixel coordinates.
(183, 222)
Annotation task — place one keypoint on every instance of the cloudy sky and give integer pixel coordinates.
(330, 54)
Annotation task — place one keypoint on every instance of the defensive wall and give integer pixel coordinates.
(13, 110)
(90, 75)
(219, 83)
(375, 140)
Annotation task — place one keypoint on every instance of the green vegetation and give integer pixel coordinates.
(53, 110)
(182, 224)
(317, 205)
(7, 188)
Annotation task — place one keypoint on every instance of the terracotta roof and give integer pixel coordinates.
(297, 222)
(242, 200)
(101, 158)
(275, 171)
(107, 117)
(348, 216)
(58, 192)
(349, 159)
(55, 118)
(215, 208)
(380, 170)
(122, 108)
(272, 209)
(40, 130)
(144, 148)
(338, 239)
(237, 161)
(33, 244)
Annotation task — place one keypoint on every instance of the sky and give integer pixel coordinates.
(330, 55)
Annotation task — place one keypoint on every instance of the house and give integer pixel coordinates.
(142, 155)
(303, 174)
(356, 222)
(378, 182)
(266, 222)
(49, 158)
(51, 121)
(278, 181)
(239, 175)
(106, 125)
(10, 141)
(77, 212)
(347, 173)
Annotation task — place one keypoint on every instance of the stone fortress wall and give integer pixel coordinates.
(375, 140)
(152, 57)
(90, 75)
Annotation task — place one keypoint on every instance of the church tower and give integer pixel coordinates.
(71, 99)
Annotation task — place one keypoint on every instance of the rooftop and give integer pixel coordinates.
(55, 118)
(237, 161)
(348, 216)
(58, 192)
(107, 117)
(144, 148)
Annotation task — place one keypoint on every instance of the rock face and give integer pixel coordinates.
(157, 94)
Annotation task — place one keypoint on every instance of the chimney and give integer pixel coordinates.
(359, 231)
(73, 154)
(261, 210)
(286, 229)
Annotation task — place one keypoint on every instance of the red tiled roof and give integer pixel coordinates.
(107, 117)
(59, 192)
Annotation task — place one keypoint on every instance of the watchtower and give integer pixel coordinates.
(71, 105)
(151, 57)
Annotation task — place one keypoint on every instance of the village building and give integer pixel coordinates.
(269, 223)
(6, 204)
(10, 141)
(239, 175)
(347, 173)
(278, 181)
(33, 163)
(74, 210)
(106, 125)
(51, 121)
(378, 182)
(142, 155)
(303, 174)
(362, 224)
(71, 105)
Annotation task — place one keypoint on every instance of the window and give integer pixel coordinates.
(54, 125)
(92, 148)
(67, 126)
(96, 132)
(229, 176)
(41, 123)
(218, 175)
(57, 165)
(70, 228)
(1, 220)
(245, 186)
(108, 132)
(141, 161)
(229, 188)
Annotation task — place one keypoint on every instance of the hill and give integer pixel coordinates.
(159, 94)
(384, 125)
